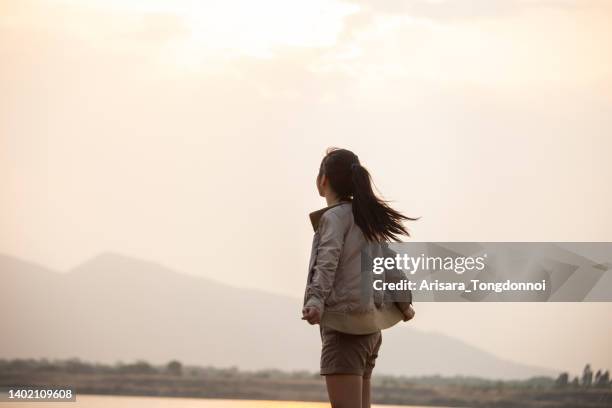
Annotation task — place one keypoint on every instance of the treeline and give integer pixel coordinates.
(599, 379)
(173, 367)
(76, 366)
(173, 379)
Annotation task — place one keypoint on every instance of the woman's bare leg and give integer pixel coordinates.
(344, 390)
(365, 393)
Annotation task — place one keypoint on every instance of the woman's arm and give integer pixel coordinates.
(407, 310)
(331, 240)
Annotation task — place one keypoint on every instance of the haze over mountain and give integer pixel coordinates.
(118, 308)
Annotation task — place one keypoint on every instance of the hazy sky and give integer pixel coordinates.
(190, 133)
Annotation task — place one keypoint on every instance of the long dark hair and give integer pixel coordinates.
(352, 182)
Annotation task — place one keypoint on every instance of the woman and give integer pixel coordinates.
(349, 326)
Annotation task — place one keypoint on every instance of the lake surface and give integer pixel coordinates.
(104, 401)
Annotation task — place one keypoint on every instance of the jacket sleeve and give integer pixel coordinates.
(331, 240)
(402, 299)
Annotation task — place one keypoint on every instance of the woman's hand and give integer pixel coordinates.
(408, 313)
(311, 315)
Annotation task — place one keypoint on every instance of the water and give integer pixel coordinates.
(104, 401)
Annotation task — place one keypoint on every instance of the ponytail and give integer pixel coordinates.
(351, 181)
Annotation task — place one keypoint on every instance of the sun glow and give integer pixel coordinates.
(234, 27)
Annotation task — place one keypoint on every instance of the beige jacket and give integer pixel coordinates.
(335, 283)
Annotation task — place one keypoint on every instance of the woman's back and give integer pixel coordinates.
(335, 275)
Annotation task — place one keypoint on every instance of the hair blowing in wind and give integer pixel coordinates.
(351, 181)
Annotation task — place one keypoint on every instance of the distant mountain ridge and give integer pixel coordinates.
(119, 308)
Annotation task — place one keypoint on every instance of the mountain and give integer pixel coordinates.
(118, 308)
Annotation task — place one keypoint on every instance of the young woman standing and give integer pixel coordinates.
(349, 326)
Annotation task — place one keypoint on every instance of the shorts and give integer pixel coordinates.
(343, 353)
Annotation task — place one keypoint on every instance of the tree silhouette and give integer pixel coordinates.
(575, 382)
(563, 380)
(603, 380)
(587, 376)
(174, 367)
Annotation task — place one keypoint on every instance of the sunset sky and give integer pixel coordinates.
(190, 133)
